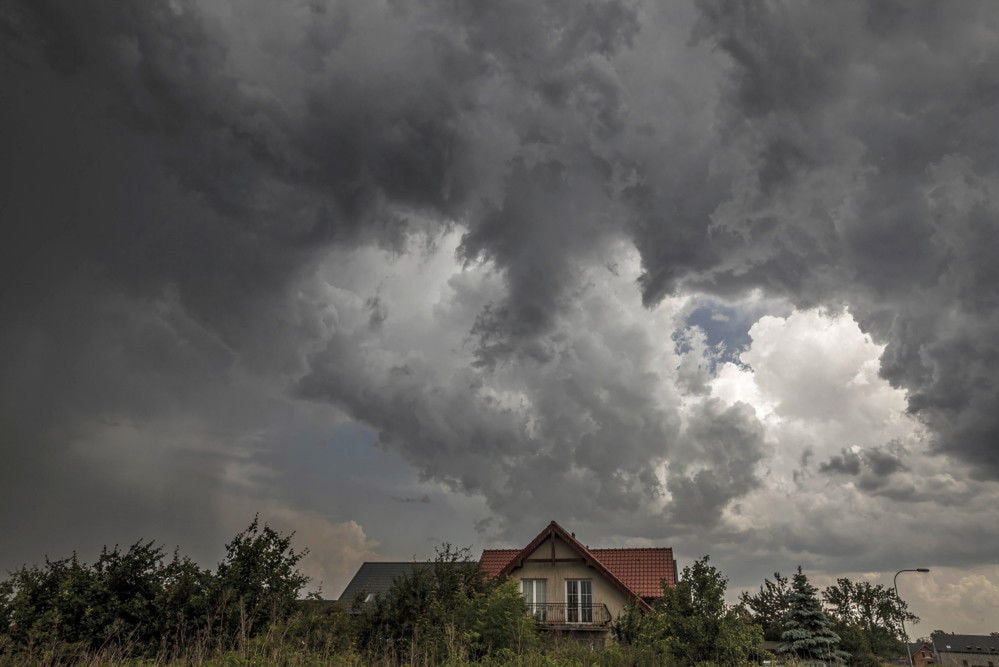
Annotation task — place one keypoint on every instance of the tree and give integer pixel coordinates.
(137, 601)
(868, 619)
(445, 611)
(691, 623)
(770, 605)
(808, 634)
(257, 582)
(501, 621)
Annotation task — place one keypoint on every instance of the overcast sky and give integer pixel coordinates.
(718, 276)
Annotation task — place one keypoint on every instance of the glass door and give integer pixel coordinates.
(578, 601)
(535, 595)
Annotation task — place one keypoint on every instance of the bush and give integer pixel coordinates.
(137, 603)
(446, 612)
(691, 624)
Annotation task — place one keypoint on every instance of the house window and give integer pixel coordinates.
(579, 601)
(535, 595)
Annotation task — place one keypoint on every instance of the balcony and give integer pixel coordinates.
(576, 616)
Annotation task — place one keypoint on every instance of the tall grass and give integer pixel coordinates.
(276, 648)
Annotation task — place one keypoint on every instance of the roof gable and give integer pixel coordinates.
(635, 572)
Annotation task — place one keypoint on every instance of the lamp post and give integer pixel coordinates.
(901, 618)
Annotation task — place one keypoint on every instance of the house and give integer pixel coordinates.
(374, 579)
(921, 653)
(574, 589)
(965, 650)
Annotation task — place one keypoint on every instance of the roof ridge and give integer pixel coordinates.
(631, 548)
(400, 562)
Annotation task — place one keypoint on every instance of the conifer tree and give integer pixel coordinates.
(808, 633)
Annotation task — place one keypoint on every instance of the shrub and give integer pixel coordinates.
(136, 603)
(691, 623)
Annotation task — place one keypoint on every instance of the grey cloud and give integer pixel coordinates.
(162, 157)
(862, 176)
(408, 500)
(176, 178)
(847, 463)
(727, 444)
(875, 471)
(883, 463)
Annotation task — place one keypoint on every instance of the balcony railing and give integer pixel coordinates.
(560, 613)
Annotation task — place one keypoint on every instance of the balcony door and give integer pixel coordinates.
(535, 595)
(578, 600)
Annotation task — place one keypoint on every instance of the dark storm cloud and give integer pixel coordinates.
(177, 172)
(729, 444)
(185, 171)
(847, 463)
(874, 469)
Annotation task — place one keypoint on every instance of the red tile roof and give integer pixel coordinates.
(639, 569)
(494, 560)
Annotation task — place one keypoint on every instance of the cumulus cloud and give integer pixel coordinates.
(698, 270)
(597, 433)
(837, 492)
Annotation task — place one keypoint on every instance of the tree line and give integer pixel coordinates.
(142, 603)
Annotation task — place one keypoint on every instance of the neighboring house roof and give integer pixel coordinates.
(944, 642)
(494, 560)
(636, 572)
(376, 578)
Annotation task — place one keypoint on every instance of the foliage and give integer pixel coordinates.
(770, 605)
(691, 623)
(447, 611)
(257, 583)
(869, 619)
(138, 602)
(501, 621)
(808, 634)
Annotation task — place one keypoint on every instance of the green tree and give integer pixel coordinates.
(808, 634)
(445, 611)
(691, 623)
(135, 600)
(501, 621)
(770, 605)
(868, 618)
(257, 583)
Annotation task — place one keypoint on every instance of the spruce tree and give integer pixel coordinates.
(808, 633)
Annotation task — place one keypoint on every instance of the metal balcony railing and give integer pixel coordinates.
(561, 613)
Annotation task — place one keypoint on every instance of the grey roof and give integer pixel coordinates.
(944, 642)
(377, 578)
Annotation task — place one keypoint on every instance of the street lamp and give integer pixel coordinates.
(901, 618)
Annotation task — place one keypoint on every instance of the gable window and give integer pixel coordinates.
(535, 595)
(579, 600)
